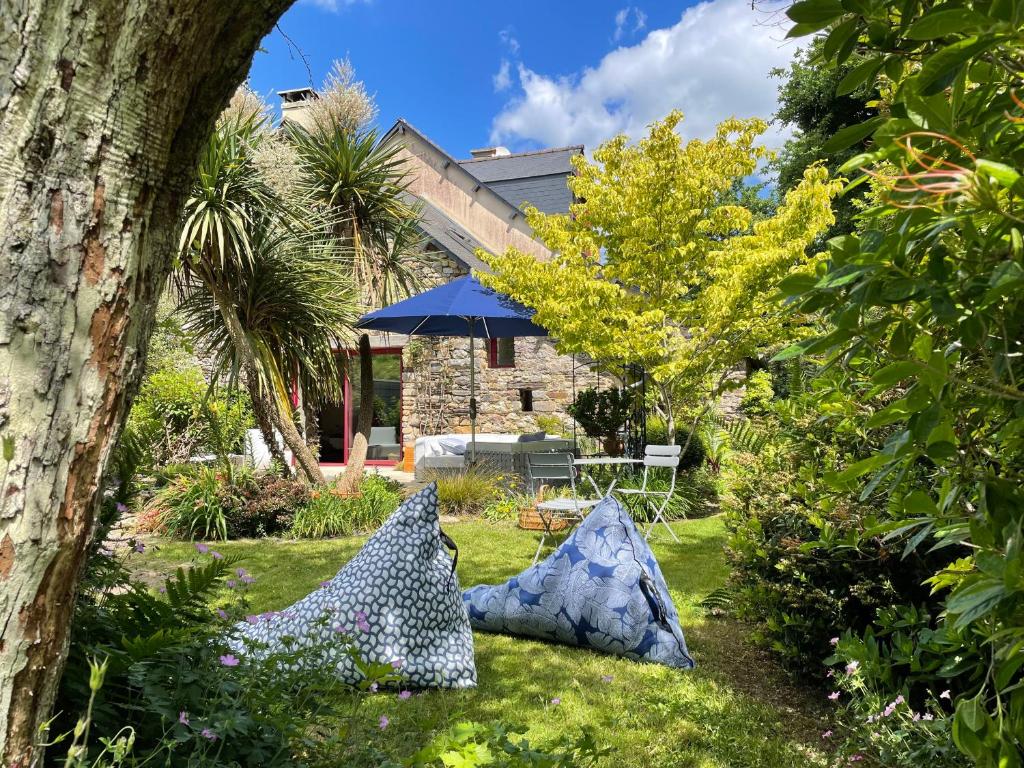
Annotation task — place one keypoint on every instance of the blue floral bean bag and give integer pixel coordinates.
(398, 600)
(601, 589)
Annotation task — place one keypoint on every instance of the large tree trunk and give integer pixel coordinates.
(104, 106)
(351, 480)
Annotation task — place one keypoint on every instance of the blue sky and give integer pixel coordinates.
(531, 74)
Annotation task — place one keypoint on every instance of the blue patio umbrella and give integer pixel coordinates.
(462, 307)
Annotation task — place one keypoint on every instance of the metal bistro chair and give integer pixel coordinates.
(545, 468)
(656, 457)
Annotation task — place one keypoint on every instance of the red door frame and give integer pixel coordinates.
(347, 407)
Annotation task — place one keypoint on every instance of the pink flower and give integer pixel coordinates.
(556, 701)
(222, 613)
(361, 623)
(383, 722)
(826, 735)
(374, 687)
(325, 583)
(899, 700)
(240, 572)
(852, 667)
(228, 660)
(139, 547)
(396, 663)
(247, 579)
(916, 717)
(183, 717)
(856, 758)
(888, 710)
(340, 629)
(945, 695)
(162, 590)
(834, 642)
(830, 673)
(201, 548)
(405, 695)
(231, 583)
(208, 734)
(834, 696)
(927, 716)
(252, 619)
(216, 555)
(121, 508)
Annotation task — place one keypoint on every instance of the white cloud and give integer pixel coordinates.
(622, 21)
(714, 63)
(335, 6)
(508, 39)
(503, 77)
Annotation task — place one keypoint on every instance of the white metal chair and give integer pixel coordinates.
(657, 457)
(548, 468)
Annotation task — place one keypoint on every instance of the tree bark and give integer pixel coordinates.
(261, 412)
(104, 105)
(353, 476)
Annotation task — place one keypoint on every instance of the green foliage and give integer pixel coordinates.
(267, 505)
(809, 104)
(469, 745)
(329, 514)
(696, 451)
(661, 263)
(601, 413)
(176, 416)
(467, 492)
(172, 692)
(198, 506)
(758, 395)
(922, 315)
(549, 423)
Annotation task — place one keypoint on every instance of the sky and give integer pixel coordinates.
(530, 74)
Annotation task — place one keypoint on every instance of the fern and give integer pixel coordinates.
(720, 600)
(743, 435)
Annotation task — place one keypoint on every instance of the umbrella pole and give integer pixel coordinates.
(472, 396)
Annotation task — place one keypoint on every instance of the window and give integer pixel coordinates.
(526, 399)
(503, 353)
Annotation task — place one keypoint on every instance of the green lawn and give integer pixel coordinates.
(735, 709)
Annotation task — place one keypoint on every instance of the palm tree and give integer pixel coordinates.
(241, 239)
(361, 184)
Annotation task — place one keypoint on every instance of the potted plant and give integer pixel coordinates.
(602, 414)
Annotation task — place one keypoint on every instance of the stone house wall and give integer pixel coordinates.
(435, 376)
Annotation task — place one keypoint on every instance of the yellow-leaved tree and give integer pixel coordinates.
(660, 264)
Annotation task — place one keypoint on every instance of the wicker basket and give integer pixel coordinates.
(530, 520)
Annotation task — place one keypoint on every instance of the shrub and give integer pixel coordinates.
(268, 506)
(176, 417)
(467, 492)
(328, 514)
(602, 414)
(199, 505)
(694, 455)
(758, 394)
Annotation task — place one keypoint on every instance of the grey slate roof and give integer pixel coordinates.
(448, 235)
(538, 178)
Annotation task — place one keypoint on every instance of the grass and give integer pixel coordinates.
(737, 709)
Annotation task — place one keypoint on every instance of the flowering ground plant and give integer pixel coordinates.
(189, 698)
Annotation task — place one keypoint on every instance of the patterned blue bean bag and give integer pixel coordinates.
(398, 599)
(601, 589)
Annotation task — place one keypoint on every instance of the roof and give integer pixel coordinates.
(522, 165)
(448, 234)
(538, 178)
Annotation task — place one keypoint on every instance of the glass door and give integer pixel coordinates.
(386, 433)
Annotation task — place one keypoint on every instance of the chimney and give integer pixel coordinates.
(295, 105)
(479, 154)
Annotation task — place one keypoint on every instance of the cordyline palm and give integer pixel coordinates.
(361, 185)
(238, 232)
